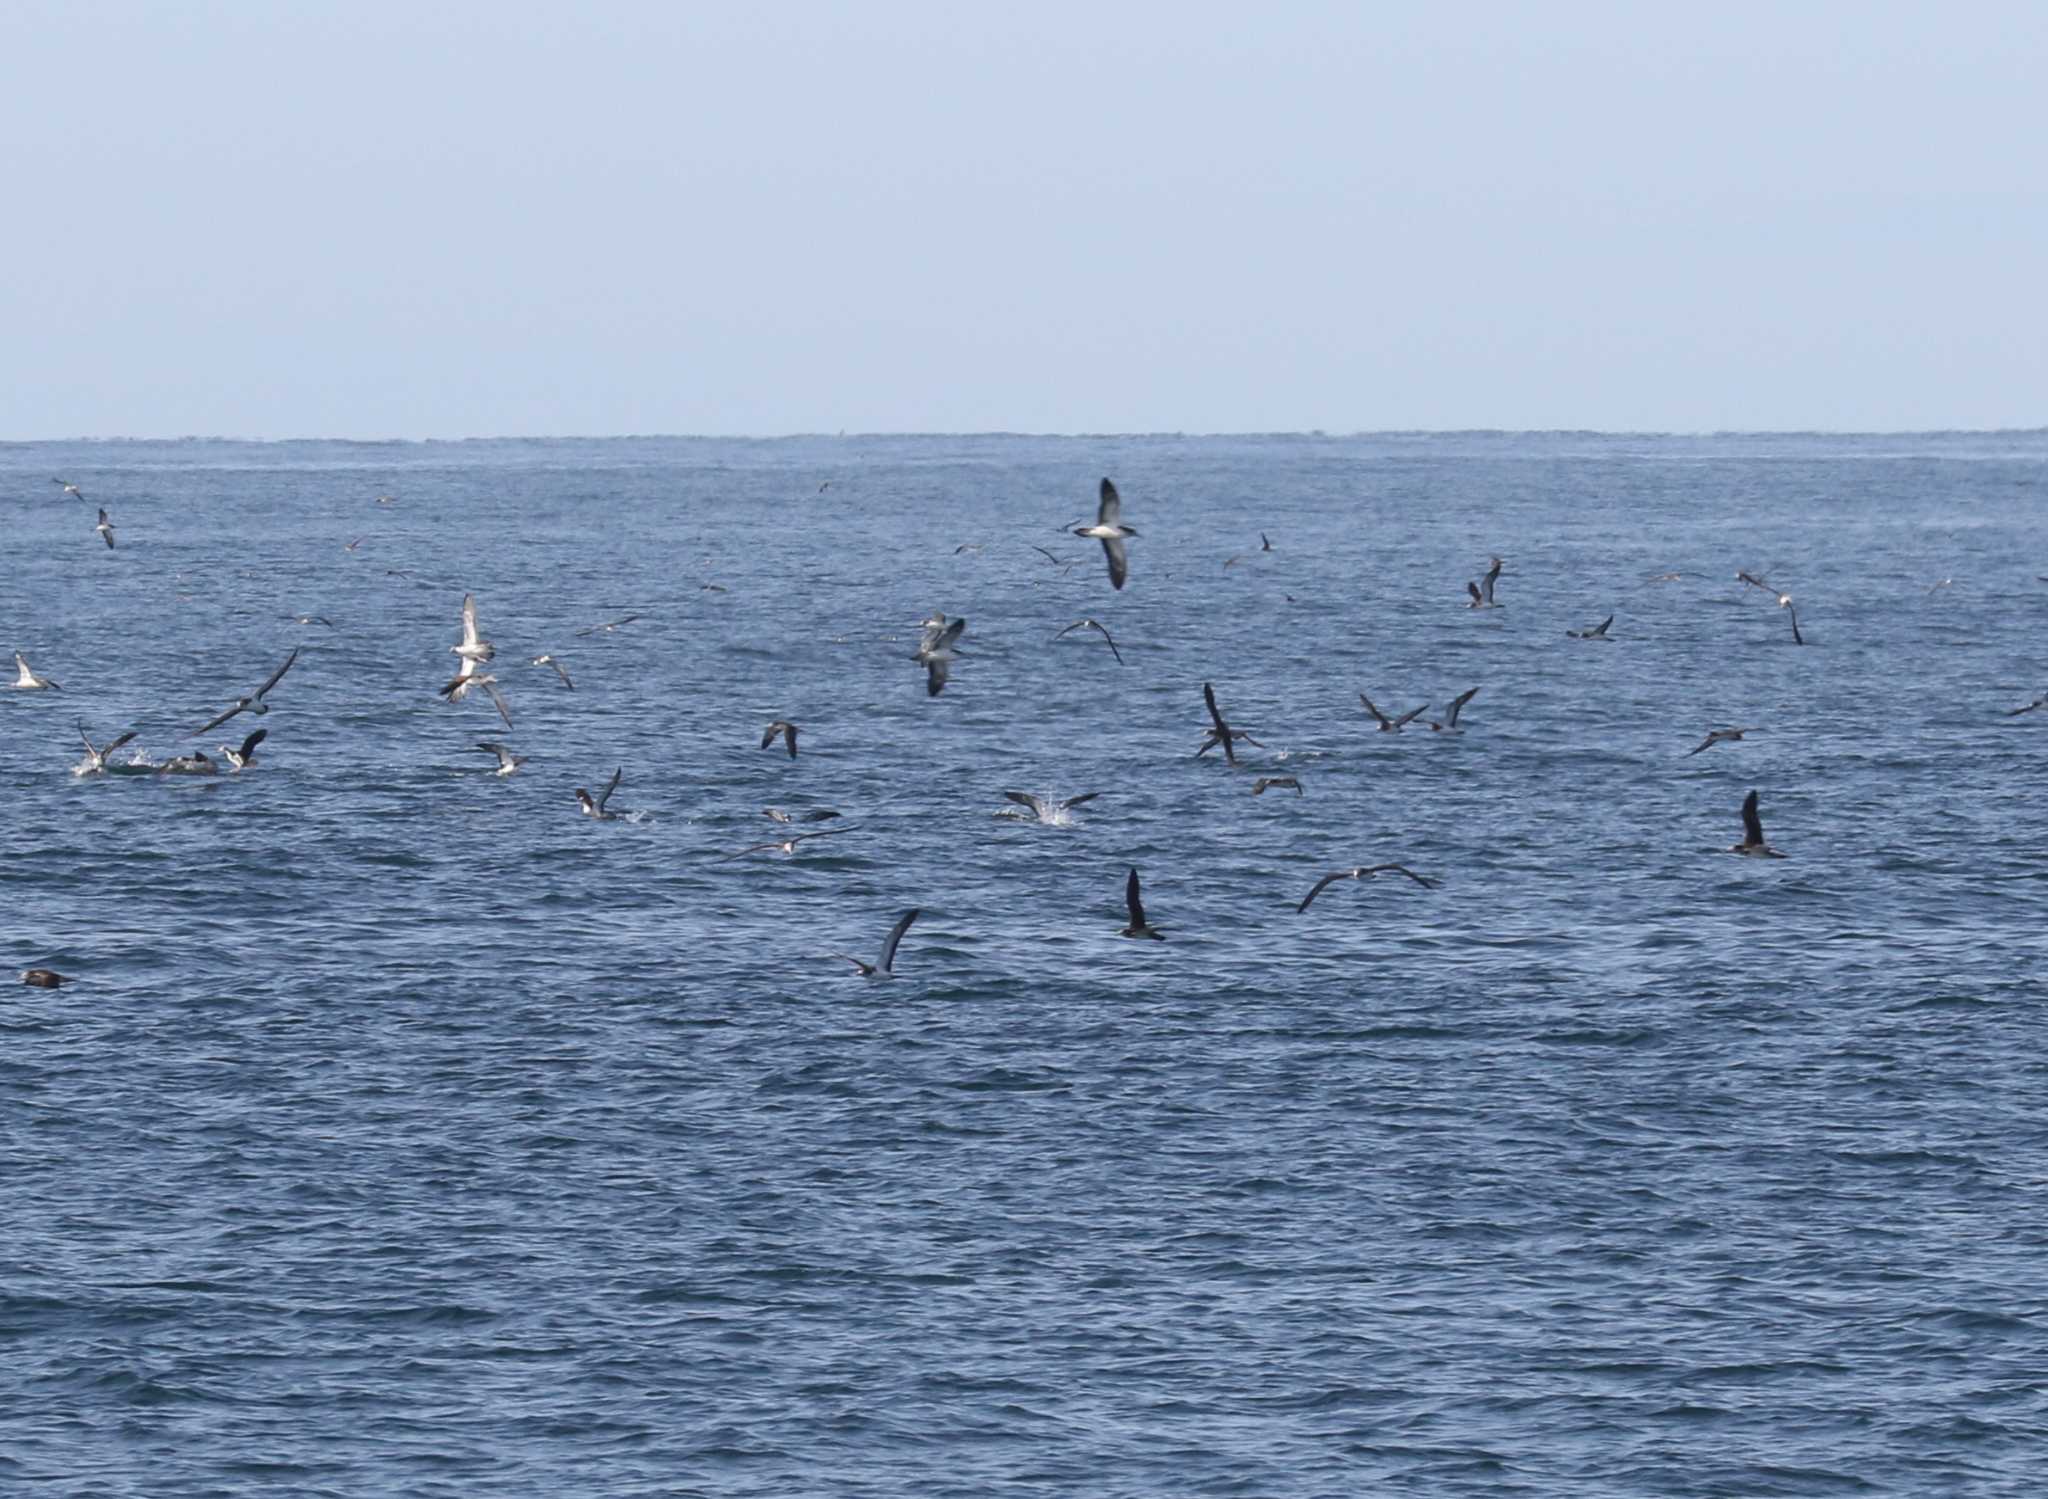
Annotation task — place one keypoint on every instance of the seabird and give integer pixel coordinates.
(1264, 546)
(816, 814)
(1755, 582)
(1598, 632)
(1716, 736)
(1390, 725)
(386, 499)
(609, 626)
(1110, 530)
(1138, 926)
(967, 546)
(350, 546)
(2039, 702)
(43, 978)
(1363, 872)
(935, 651)
(311, 619)
(787, 845)
(1221, 732)
(1064, 564)
(1939, 584)
(886, 967)
(1097, 626)
(470, 647)
(1786, 605)
(28, 681)
(1047, 810)
(507, 761)
(596, 808)
(1259, 786)
(68, 487)
(1753, 833)
(253, 703)
(198, 763)
(786, 729)
(1672, 577)
(244, 757)
(1482, 591)
(459, 687)
(1450, 723)
(95, 761)
(106, 529)
(547, 660)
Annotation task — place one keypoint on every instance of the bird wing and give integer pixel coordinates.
(469, 636)
(1752, 825)
(278, 675)
(1119, 563)
(1321, 885)
(951, 632)
(1473, 589)
(1426, 884)
(1410, 715)
(768, 734)
(1601, 628)
(1075, 801)
(561, 673)
(609, 787)
(498, 701)
(888, 963)
(1112, 644)
(1025, 799)
(935, 677)
(249, 745)
(1486, 583)
(1372, 710)
(1110, 511)
(1136, 906)
(1209, 697)
(214, 723)
(1458, 703)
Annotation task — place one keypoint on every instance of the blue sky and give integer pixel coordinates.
(381, 220)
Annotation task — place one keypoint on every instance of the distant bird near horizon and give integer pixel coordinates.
(28, 681)
(1361, 872)
(1220, 732)
(1598, 632)
(1482, 591)
(1753, 833)
(254, 702)
(1391, 725)
(1138, 927)
(595, 806)
(786, 729)
(1717, 736)
(1097, 626)
(884, 967)
(1110, 530)
(105, 528)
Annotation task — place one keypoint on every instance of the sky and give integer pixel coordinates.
(400, 220)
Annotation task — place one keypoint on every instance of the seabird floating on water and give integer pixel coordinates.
(1598, 632)
(1138, 927)
(105, 529)
(28, 681)
(43, 978)
(1717, 736)
(786, 729)
(95, 761)
(885, 968)
(935, 651)
(1390, 725)
(243, 758)
(253, 703)
(507, 761)
(1260, 786)
(1363, 872)
(1450, 723)
(597, 808)
(1047, 810)
(1110, 530)
(1482, 591)
(1220, 732)
(1753, 833)
(1097, 626)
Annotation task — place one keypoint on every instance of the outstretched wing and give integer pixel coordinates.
(1209, 697)
(278, 675)
(1321, 885)
(1111, 510)
(609, 787)
(888, 963)
(1075, 801)
(498, 699)
(1426, 884)
(1752, 825)
(1119, 562)
(1131, 901)
(1457, 703)
(469, 636)
(1375, 712)
(1025, 799)
(214, 723)
(249, 745)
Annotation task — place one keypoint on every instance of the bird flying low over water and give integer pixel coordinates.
(885, 966)
(95, 761)
(1266, 783)
(609, 625)
(1717, 736)
(1786, 605)
(935, 651)
(1753, 833)
(1391, 725)
(1220, 732)
(1363, 872)
(507, 761)
(253, 703)
(1450, 723)
(1598, 632)
(68, 487)
(546, 660)
(241, 759)
(472, 647)
(1754, 581)
(1139, 927)
(2039, 702)
(28, 681)
(106, 530)
(1110, 530)
(596, 807)
(786, 729)
(1045, 809)
(787, 845)
(1482, 591)
(458, 688)
(1095, 625)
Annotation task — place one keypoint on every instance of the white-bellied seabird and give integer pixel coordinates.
(311, 619)
(609, 625)
(68, 487)
(549, 660)
(43, 978)
(816, 814)
(787, 845)
(253, 703)
(1097, 626)
(1598, 632)
(1363, 872)
(1450, 723)
(1753, 833)
(1482, 591)
(1220, 732)
(469, 677)
(1264, 783)
(786, 729)
(105, 529)
(198, 763)
(1045, 809)
(243, 758)
(596, 808)
(472, 647)
(1138, 927)
(507, 761)
(886, 967)
(935, 651)
(1110, 530)
(95, 761)
(1717, 736)
(1390, 725)
(28, 681)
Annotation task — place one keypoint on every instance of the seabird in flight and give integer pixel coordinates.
(1717, 736)
(1598, 632)
(243, 758)
(1045, 809)
(1482, 591)
(1221, 732)
(1097, 626)
(459, 686)
(786, 729)
(1110, 530)
(28, 681)
(1450, 723)
(886, 967)
(597, 808)
(1753, 833)
(610, 625)
(470, 647)
(1260, 786)
(935, 651)
(253, 703)
(1264, 546)
(547, 660)
(43, 978)
(2039, 702)
(1363, 872)
(68, 487)
(816, 814)
(95, 761)
(1390, 725)
(787, 845)
(1755, 582)
(507, 761)
(1138, 926)
(105, 529)
(311, 619)
(1786, 604)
